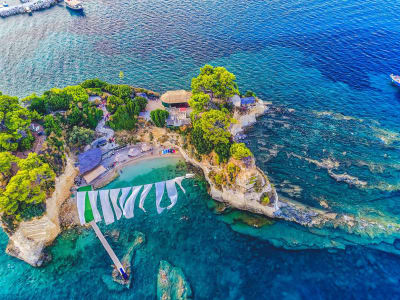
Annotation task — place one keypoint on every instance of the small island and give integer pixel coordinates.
(80, 135)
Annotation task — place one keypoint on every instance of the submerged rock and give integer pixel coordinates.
(126, 261)
(171, 283)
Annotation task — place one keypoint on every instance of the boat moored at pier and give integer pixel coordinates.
(74, 4)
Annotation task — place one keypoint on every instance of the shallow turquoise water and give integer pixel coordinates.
(318, 62)
(219, 262)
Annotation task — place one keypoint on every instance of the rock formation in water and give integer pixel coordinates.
(171, 283)
(116, 282)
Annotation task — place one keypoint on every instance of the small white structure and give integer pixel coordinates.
(235, 100)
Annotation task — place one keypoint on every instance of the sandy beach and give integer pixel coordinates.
(113, 173)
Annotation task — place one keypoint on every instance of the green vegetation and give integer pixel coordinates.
(212, 114)
(250, 94)
(123, 119)
(159, 116)
(52, 125)
(68, 119)
(223, 152)
(80, 136)
(202, 145)
(216, 81)
(93, 84)
(215, 125)
(14, 125)
(113, 102)
(30, 185)
(199, 102)
(124, 111)
(233, 170)
(265, 200)
(240, 151)
(122, 91)
(6, 159)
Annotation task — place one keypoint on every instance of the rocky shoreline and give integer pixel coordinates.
(31, 238)
(29, 241)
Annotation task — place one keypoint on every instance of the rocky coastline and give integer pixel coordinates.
(248, 192)
(29, 241)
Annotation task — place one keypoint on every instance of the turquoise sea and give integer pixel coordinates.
(325, 67)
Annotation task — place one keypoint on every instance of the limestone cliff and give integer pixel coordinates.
(31, 238)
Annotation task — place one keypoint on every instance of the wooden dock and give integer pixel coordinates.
(109, 250)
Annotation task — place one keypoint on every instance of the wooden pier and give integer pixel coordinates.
(109, 250)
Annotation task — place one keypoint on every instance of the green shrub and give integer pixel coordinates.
(240, 151)
(159, 116)
(265, 200)
(120, 90)
(52, 124)
(250, 94)
(202, 145)
(80, 136)
(26, 143)
(122, 120)
(93, 83)
(233, 171)
(223, 152)
(113, 102)
(142, 102)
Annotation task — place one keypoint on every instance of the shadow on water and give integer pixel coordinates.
(397, 93)
(76, 13)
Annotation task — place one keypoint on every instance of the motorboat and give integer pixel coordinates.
(74, 4)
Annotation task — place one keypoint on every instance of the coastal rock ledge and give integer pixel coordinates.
(250, 188)
(31, 238)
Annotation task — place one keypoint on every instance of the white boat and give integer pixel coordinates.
(5, 4)
(74, 4)
(395, 79)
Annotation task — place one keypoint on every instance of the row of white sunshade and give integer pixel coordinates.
(123, 204)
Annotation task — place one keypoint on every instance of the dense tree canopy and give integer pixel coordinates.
(240, 151)
(223, 152)
(202, 145)
(80, 136)
(56, 100)
(52, 124)
(216, 81)
(113, 102)
(87, 116)
(122, 119)
(14, 125)
(159, 116)
(142, 102)
(6, 159)
(93, 84)
(120, 90)
(198, 102)
(29, 185)
(78, 94)
(215, 125)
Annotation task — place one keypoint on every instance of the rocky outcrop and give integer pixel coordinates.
(31, 238)
(127, 260)
(243, 194)
(248, 117)
(116, 282)
(171, 283)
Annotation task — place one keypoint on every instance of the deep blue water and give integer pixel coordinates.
(323, 65)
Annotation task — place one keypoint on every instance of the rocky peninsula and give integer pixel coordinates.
(206, 134)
